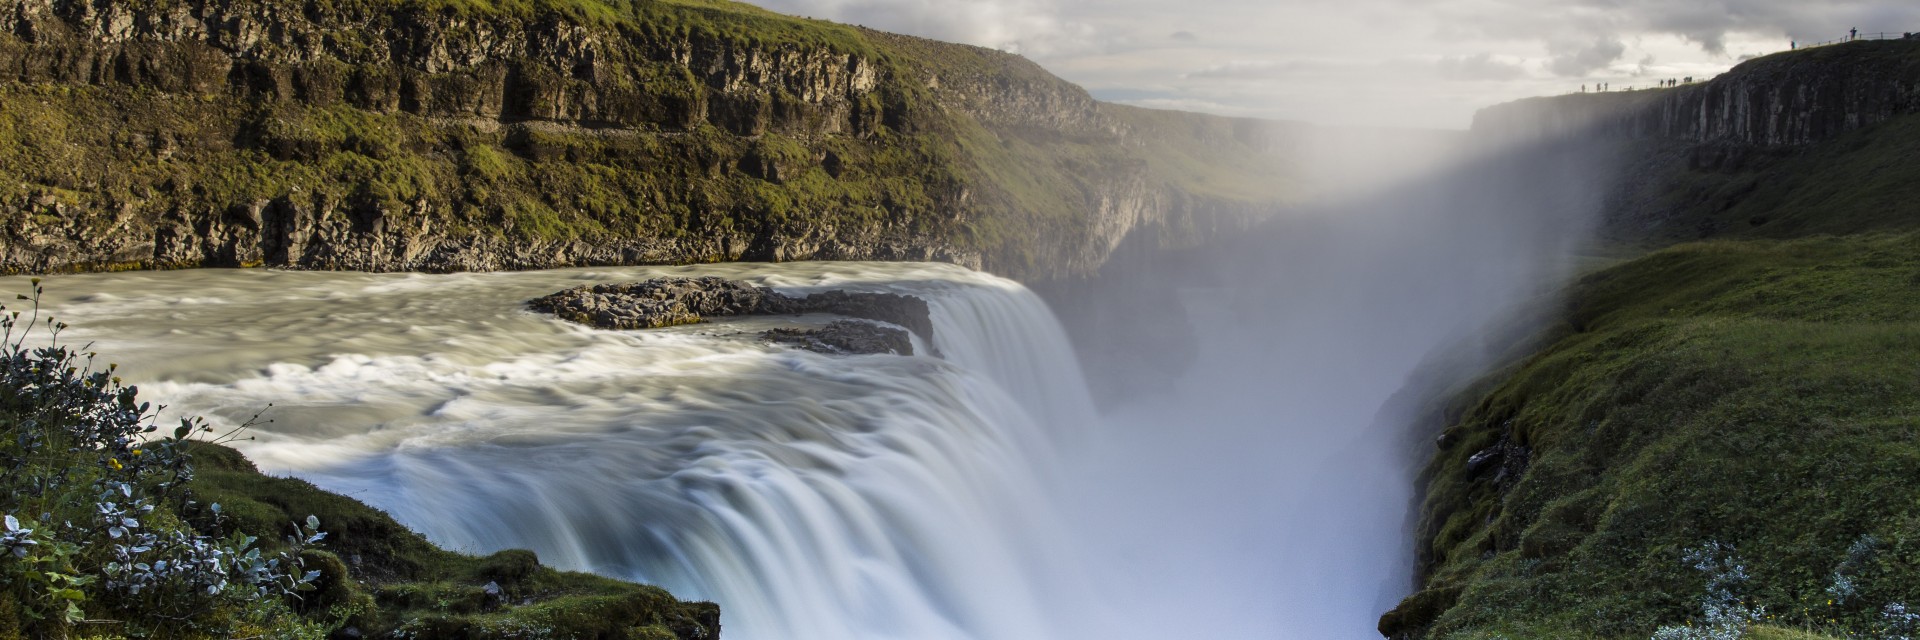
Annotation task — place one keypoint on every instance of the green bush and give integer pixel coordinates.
(91, 524)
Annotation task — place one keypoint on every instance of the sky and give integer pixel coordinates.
(1397, 63)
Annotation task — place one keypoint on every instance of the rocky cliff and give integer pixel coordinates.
(1786, 99)
(428, 135)
(1705, 402)
(1753, 152)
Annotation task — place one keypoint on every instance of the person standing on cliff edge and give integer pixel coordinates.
(1853, 34)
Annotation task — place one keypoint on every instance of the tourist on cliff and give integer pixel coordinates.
(1853, 34)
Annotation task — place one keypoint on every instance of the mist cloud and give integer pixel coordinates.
(1478, 67)
(1575, 59)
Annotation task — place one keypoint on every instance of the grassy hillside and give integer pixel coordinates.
(1720, 437)
(1760, 394)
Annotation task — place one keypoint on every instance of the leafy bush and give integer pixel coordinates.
(91, 510)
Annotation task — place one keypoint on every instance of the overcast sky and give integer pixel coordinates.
(1417, 63)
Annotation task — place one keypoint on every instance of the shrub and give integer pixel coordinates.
(91, 523)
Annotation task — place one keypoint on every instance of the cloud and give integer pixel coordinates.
(1480, 67)
(1573, 59)
(1183, 36)
(1264, 69)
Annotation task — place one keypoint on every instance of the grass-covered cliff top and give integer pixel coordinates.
(1718, 438)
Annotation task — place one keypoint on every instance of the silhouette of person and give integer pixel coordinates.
(1793, 44)
(1853, 34)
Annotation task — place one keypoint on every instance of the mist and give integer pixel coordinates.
(1221, 438)
(1251, 478)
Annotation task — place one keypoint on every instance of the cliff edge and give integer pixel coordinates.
(443, 136)
(1714, 435)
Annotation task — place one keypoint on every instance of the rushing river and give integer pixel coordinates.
(974, 496)
(814, 496)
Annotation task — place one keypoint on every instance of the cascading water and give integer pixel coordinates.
(812, 496)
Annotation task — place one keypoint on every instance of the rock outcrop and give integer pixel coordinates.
(385, 136)
(846, 337)
(660, 302)
(666, 302)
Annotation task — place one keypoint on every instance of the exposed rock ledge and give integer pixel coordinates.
(666, 302)
(846, 337)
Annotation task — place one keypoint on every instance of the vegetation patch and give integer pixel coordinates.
(1760, 396)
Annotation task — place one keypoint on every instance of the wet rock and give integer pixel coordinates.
(666, 302)
(660, 302)
(846, 337)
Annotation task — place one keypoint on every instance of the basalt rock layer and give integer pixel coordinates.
(445, 136)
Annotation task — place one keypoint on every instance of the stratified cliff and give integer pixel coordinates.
(425, 135)
(1753, 152)
(1785, 99)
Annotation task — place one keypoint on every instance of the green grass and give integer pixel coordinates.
(1864, 181)
(1764, 394)
(1756, 385)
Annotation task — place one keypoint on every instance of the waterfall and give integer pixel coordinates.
(814, 497)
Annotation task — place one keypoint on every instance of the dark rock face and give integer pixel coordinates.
(666, 302)
(846, 337)
(905, 311)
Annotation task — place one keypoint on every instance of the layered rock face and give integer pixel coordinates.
(1712, 158)
(1787, 99)
(378, 135)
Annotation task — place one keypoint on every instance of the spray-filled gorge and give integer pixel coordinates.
(979, 495)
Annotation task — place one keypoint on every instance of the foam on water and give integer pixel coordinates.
(814, 497)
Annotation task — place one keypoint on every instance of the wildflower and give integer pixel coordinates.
(115, 464)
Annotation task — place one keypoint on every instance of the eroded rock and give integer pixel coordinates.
(846, 337)
(666, 302)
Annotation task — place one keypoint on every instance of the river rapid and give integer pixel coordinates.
(813, 496)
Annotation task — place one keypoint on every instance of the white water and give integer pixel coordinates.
(814, 497)
(880, 497)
